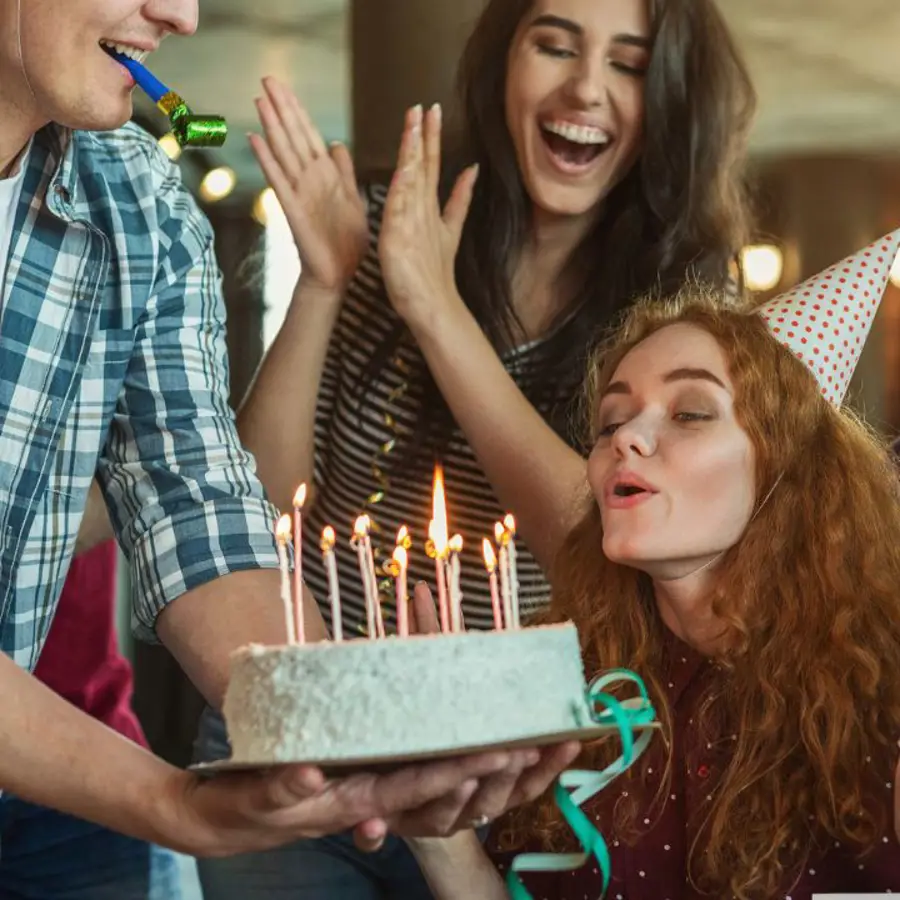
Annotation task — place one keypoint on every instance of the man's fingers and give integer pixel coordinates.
(534, 781)
(370, 835)
(438, 818)
(290, 786)
(494, 794)
(416, 786)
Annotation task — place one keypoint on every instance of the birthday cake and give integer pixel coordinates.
(404, 697)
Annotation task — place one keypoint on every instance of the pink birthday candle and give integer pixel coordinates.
(299, 500)
(490, 563)
(282, 535)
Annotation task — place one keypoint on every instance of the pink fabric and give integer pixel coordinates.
(81, 660)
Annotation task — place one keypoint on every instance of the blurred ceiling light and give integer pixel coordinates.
(170, 146)
(895, 272)
(266, 207)
(762, 265)
(217, 184)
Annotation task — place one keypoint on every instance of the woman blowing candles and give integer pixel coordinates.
(609, 138)
(749, 570)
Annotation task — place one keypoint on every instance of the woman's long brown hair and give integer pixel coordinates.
(682, 211)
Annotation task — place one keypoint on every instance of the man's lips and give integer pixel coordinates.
(137, 52)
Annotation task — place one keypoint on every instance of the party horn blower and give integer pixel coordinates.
(190, 129)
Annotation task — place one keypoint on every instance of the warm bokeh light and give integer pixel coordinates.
(217, 184)
(170, 146)
(267, 209)
(762, 265)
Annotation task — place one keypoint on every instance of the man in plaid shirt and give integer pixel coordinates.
(113, 362)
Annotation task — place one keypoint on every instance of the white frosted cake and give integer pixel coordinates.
(333, 702)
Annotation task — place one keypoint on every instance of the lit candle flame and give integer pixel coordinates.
(455, 544)
(300, 496)
(361, 526)
(399, 567)
(329, 539)
(438, 530)
(490, 558)
(499, 532)
(283, 529)
(403, 536)
(509, 523)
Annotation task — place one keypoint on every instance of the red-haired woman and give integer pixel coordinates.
(742, 553)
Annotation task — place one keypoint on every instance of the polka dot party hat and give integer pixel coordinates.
(825, 321)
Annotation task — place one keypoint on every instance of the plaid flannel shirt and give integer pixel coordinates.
(113, 360)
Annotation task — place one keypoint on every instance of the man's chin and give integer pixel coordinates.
(106, 117)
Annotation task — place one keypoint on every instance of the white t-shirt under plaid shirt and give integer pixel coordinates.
(10, 189)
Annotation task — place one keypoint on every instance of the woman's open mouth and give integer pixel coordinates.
(573, 148)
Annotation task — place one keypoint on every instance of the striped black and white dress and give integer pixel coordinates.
(349, 434)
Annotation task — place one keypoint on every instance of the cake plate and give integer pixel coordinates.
(386, 763)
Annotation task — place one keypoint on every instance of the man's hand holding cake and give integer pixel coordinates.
(241, 812)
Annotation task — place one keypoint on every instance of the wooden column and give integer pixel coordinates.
(403, 53)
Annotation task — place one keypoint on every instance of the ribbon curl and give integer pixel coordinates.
(575, 787)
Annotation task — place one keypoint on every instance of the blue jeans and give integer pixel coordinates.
(47, 855)
(329, 868)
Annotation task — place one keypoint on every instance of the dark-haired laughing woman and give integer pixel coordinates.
(599, 154)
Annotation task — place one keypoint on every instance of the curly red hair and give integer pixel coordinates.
(810, 597)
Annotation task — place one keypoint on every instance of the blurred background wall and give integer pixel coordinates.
(826, 158)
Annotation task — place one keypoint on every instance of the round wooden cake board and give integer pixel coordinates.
(386, 763)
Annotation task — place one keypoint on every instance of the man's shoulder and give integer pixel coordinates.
(125, 155)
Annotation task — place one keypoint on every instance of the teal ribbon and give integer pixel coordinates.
(574, 788)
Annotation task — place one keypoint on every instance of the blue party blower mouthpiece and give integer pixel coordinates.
(190, 129)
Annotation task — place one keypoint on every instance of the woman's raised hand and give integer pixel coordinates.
(316, 186)
(419, 241)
